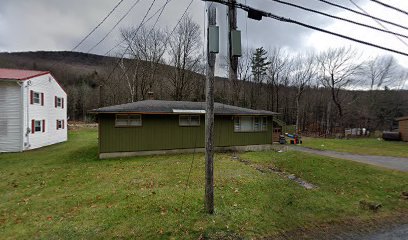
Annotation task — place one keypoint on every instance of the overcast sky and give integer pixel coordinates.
(31, 25)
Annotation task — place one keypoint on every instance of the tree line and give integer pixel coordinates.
(319, 92)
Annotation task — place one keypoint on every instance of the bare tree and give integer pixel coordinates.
(380, 70)
(304, 70)
(184, 53)
(338, 70)
(277, 71)
(147, 47)
(244, 75)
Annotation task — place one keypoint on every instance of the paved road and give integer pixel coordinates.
(395, 163)
(399, 232)
(396, 233)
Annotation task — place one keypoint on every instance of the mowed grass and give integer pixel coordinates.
(65, 191)
(363, 146)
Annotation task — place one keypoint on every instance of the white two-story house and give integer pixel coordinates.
(33, 111)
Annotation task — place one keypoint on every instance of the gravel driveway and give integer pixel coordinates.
(395, 163)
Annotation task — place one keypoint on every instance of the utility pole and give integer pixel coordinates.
(232, 25)
(212, 49)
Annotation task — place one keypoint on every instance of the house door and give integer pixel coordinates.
(276, 133)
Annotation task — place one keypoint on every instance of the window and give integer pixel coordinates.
(37, 98)
(59, 102)
(37, 126)
(128, 120)
(250, 124)
(189, 120)
(60, 124)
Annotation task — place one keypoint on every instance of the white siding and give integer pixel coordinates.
(10, 117)
(44, 84)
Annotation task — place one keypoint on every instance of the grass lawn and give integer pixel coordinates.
(64, 191)
(365, 146)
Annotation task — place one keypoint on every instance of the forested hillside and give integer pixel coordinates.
(320, 92)
(85, 78)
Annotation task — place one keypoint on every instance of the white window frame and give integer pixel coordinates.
(189, 123)
(259, 124)
(35, 99)
(40, 125)
(129, 122)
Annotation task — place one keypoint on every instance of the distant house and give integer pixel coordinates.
(157, 127)
(403, 127)
(33, 110)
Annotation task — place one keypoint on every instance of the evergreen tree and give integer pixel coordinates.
(259, 64)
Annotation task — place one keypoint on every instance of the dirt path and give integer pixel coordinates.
(395, 163)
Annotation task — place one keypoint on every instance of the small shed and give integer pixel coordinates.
(403, 128)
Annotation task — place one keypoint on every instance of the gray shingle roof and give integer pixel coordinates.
(168, 107)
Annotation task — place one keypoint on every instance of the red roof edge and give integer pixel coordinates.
(40, 74)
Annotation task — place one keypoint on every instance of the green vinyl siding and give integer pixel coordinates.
(162, 132)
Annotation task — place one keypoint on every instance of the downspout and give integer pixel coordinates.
(27, 131)
(21, 84)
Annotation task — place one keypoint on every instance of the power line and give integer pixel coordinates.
(391, 7)
(89, 34)
(288, 20)
(117, 23)
(167, 39)
(378, 22)
(158, 17)
(189, 173)
(165, 42)
(137, 30)
(340, 18)
(363, 14)
(97, 26)
(154, 14)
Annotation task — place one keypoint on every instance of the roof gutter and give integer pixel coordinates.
(179, 113)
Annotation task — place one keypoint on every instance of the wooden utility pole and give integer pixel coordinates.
(209, 118)
(232, 25)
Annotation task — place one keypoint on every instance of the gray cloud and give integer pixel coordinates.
(59, 25)
(30, 25)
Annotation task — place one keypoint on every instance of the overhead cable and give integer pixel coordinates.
(97, 26)
(257, 12)
(378, 22)
(340, 18)
(391, 7)
(117, 23)
(363, 14)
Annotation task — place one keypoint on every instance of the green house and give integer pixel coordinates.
(160, 127)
